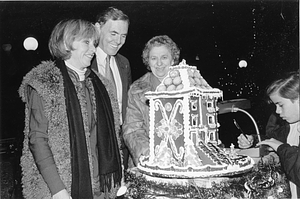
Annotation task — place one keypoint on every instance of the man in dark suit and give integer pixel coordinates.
(112, 25)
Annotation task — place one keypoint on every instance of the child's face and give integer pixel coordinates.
(285, 108)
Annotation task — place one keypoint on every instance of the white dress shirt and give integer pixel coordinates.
(101, 62)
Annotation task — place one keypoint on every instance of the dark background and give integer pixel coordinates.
(212, 35)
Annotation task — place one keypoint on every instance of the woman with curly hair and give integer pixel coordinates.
(159, 54)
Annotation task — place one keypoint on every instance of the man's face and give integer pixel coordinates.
(112, 35)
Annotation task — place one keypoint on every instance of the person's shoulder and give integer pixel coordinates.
(141, 85)
(45, 71)
(43, 76)
(122, 59)
(43, 67)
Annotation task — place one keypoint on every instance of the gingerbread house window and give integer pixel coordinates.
(210, 106)
(202, 135)
(211, 135)
(210, 119)
(194, 106)
(194, 136)
(194, 119)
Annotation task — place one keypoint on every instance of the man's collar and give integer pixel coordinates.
(100, 54)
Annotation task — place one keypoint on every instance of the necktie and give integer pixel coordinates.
(108, 71)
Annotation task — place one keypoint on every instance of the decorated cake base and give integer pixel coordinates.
(226, 163)
(263, 182)
(200, 182)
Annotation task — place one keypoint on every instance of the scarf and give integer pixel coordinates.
(110, 172)
(81, 186)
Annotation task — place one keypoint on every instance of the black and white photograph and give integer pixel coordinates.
(149, 99)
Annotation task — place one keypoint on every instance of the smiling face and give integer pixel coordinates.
(160, 60)
(285, 108)
(112, 35)
(82, 54)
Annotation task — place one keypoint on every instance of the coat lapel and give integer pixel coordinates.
(94, 64)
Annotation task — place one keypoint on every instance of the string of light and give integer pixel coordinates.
(237, 82)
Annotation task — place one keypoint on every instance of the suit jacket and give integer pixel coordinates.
(125, 73)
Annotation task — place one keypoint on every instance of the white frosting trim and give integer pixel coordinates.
(225, 170)
(151, 129)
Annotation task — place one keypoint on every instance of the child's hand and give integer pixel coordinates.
(245, 142)
(271, 142)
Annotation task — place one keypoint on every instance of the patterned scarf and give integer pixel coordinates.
(109, 158)
(81, 176)
(110, 172)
